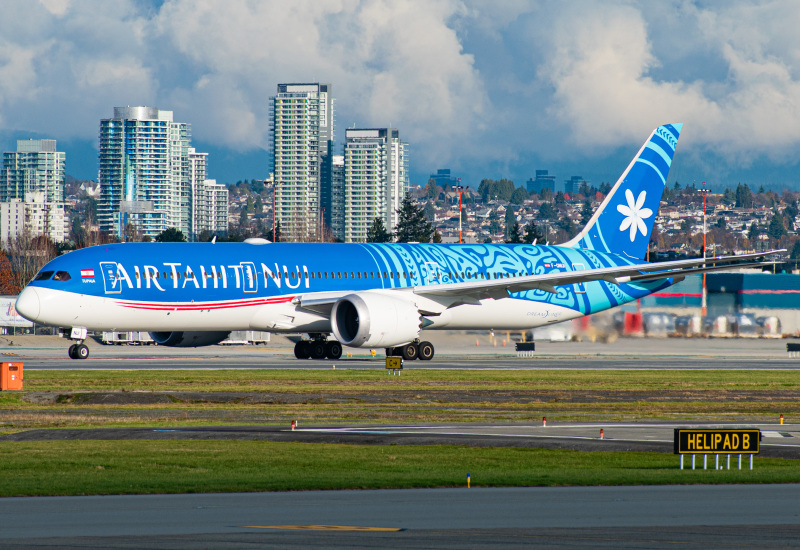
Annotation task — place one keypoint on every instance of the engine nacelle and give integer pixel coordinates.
(369, 319)
(188, 339)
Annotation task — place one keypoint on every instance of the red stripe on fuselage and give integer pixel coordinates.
(160, 306)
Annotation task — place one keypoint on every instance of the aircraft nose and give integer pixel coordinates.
(28, 304)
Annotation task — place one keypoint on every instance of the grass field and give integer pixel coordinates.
(140, 467)
(94, 398)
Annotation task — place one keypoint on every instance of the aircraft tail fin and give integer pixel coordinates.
(624, 221)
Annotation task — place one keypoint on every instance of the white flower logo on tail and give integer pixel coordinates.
(634, 214)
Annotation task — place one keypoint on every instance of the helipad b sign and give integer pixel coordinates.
(702, 441)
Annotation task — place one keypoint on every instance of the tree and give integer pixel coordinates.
(744, 197)
(519, 195)
(274, 238)
(431, 190)
(378, 233)
(244, 220)
(494, 222)
(8, 284)
(586, 212)
(510, 220)
(795, 254)
(411, 224)
(171, 235)
(437, 237)
(753, 232)
(561, 200)
(496, 189)
(429, 211)
(28, 254)
(721, 223)
(533, 233)
(547, 211)
(776, 229)
(259, 206)
(514, 234)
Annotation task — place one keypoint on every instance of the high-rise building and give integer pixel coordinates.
(572, 185)
(337, 196)
(145, 172)
(301, 133)
(375, 180)
(35, 167)
(34, 215)
(543, 181)
(209, 199)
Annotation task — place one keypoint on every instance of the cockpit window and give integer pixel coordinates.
(43, 276)
(62, 276)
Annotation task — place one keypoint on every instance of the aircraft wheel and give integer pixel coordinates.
(333, 349)
(425, 351)
(317, 349)
(301, 349)
(71, 352)
(410, 351)
(82, 351)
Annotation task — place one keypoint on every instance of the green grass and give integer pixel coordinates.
(418, 396)
(344, 380)
(140, 467)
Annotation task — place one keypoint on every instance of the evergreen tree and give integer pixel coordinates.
(378, 233)
(259, 206)
(776, 229)
(519, 195)
(533, 232)
(753, 232)
(430, 211)
(795, 254)
(514, 234)
(510, 220)
(586, 212)
(547, 211)
(412, 225)
(171, 235)
(437, 237)
(744, 197)
(494, 222)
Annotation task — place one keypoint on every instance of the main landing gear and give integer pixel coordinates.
(318, 348)
(78, 350)
(415, 350)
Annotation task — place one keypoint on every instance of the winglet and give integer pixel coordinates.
(624, 222)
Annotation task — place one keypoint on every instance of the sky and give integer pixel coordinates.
(489, 89)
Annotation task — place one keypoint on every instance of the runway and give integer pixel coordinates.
(763, 516)
(453, 352)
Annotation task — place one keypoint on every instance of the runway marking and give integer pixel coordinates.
(325, 528)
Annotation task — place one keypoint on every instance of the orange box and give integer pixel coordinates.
(10, 376)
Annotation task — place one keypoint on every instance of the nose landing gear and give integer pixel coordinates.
(78, 350)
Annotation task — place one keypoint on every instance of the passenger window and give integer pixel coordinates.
(62, 276)
(43, 276)
(359, 274)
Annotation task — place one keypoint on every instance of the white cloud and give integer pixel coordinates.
(466, 82)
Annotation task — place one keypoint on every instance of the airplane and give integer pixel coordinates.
(368, 295)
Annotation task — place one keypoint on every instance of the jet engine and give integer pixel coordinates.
(188, 339)
(369, 319)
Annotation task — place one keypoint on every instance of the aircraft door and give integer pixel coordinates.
(580, 288)
(249, 278)
(111, 280)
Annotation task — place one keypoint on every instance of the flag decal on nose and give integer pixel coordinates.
(87, 273)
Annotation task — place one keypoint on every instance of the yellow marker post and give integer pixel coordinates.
(468, 481)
